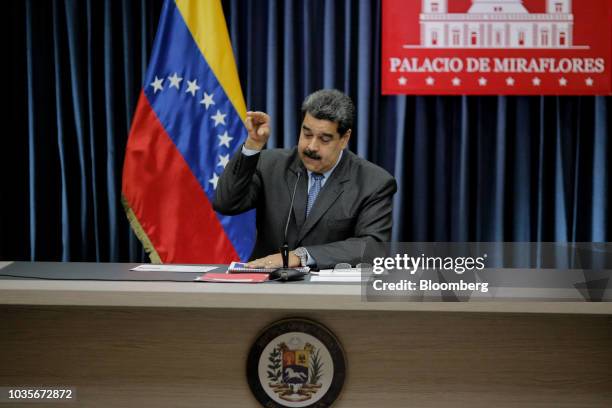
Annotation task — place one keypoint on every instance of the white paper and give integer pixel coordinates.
(340, 272)
(335, 278)
(174, 268)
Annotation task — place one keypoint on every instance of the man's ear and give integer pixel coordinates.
(345, 138)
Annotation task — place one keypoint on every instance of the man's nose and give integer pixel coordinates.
(314, 144)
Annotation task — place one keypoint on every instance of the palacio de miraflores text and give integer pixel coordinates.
(497, 65)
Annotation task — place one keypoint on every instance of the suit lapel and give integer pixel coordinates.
(328, 195)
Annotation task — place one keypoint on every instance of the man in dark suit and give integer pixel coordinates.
(342, 202)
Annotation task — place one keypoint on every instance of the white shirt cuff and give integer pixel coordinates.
(249, 152)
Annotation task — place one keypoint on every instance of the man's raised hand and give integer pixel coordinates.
(258, 126)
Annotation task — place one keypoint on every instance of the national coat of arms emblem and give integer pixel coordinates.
(296, 363)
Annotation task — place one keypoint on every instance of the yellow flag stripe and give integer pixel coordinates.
(206, 22)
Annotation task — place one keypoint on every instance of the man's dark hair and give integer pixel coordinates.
(332, 105)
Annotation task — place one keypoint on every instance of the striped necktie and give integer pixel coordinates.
(313, 192)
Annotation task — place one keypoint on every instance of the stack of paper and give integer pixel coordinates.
(174, 268)
(337, 275)
(239, 267)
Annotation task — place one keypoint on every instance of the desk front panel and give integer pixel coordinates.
(195, 357)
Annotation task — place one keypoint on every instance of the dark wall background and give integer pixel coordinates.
(469, 168)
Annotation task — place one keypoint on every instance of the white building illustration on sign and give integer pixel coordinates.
(497, 24)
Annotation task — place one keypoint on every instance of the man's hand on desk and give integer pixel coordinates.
(275, 261)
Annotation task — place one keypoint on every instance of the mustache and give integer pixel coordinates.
(310, 154)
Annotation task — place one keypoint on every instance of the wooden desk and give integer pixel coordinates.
(160, 344)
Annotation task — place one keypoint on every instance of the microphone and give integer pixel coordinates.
(285, 255)
(285, 273)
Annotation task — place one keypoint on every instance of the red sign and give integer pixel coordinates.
(497, 47)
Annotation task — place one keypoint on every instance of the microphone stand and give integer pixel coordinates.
(285, 273)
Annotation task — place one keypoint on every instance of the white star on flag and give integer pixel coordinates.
(214, 180)
(207, 100)
(225, 139)
(482, 81)
(456, 81)
(219, 118)
(192, 87)
(157, 84)
(510, 81)
(223, 160)
(536, 81)
(175, 80)
(563, 81)
(589, 81)
(402, 81)
(430, 81)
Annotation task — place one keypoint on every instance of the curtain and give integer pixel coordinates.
(468, 168)
(77, 72)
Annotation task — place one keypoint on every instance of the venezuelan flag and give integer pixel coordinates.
(188, 122)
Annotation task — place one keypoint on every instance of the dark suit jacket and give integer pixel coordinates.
(352, 209)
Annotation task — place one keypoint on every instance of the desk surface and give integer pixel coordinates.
(273, 295)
